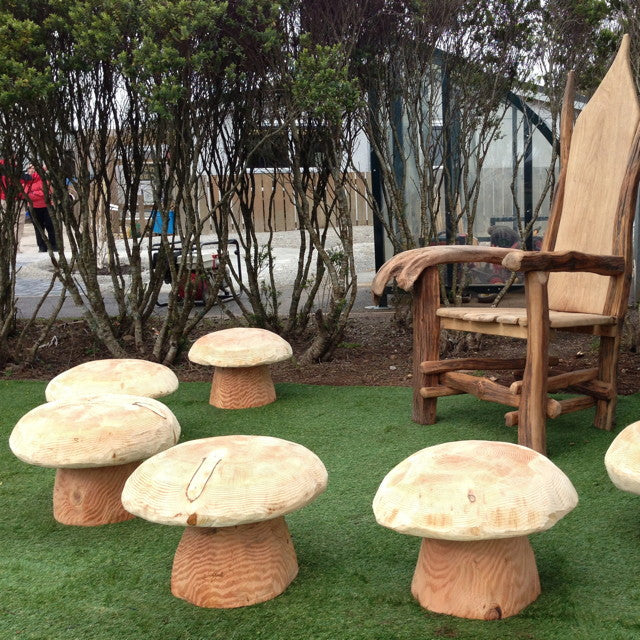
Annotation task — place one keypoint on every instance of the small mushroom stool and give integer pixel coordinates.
(231, 492)
(241, 357)
(474, 503)
(113, 375)
(622, 459)
(94, 443)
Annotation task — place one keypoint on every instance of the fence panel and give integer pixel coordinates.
(274, 201)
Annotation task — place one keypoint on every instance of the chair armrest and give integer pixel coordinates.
(564, 261)
(407, 266)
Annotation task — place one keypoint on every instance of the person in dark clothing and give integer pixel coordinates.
(506, 237)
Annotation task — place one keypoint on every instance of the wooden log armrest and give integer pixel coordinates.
(407, 266)
(517, 260)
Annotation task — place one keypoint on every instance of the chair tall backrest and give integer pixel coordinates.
(597, 212)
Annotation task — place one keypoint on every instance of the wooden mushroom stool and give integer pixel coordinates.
(231, 492)
(622, 459)
(241, 357)
(113, 375)
(474, 503)
(94, 443)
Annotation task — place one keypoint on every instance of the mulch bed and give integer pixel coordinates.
(375, 351)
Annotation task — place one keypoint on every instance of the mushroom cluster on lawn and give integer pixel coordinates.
(231, 493)
(113, 375)
(241, 357)
(94, 443)
(474, 503)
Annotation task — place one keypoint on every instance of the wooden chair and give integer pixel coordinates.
(579, 281)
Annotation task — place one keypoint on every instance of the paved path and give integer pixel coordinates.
(34, 273)
(33, 277)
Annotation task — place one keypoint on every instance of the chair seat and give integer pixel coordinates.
(518, 316)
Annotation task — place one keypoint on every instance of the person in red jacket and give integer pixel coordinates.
(37, 194)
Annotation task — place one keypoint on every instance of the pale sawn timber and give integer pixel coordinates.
(482, 580)
(237, 566)
(91, 497)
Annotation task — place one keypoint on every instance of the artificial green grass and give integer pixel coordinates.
(112, 582)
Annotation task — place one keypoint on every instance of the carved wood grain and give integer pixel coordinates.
(91, 497)
(562, 380)
(567, 116)
(483, 580)
(439, 391)
(532, 415)
(608, 374)
(426, 342)
(242, 387)
(480, 387)
(231, 567)
(457, 364)
(601, 145)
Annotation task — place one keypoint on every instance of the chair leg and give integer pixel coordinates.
(426, 342)
(608, 372)
(532, 415)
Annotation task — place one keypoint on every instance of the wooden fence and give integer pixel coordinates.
(274, 206)
(273, 203)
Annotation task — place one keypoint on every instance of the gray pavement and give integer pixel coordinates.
(34, 275)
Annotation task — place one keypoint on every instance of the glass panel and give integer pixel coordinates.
(495, 201)
(500, 217)
(543, 184)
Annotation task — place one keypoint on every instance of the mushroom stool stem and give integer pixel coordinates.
(91, 496)
(235, 566)
(242, 387)
(483, 579)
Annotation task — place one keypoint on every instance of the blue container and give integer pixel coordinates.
(157, 221)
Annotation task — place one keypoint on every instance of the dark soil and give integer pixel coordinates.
(376, 351)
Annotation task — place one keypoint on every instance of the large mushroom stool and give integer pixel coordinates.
(622, 459)
(241, 357)
(113, 375)
(231, 492)
(474, 503)
(94, 443)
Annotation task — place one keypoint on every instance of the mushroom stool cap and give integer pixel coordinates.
(240, 347)
(622, 459)
(113, 375)
(224, 481)
(96, 431)
(474, 490)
